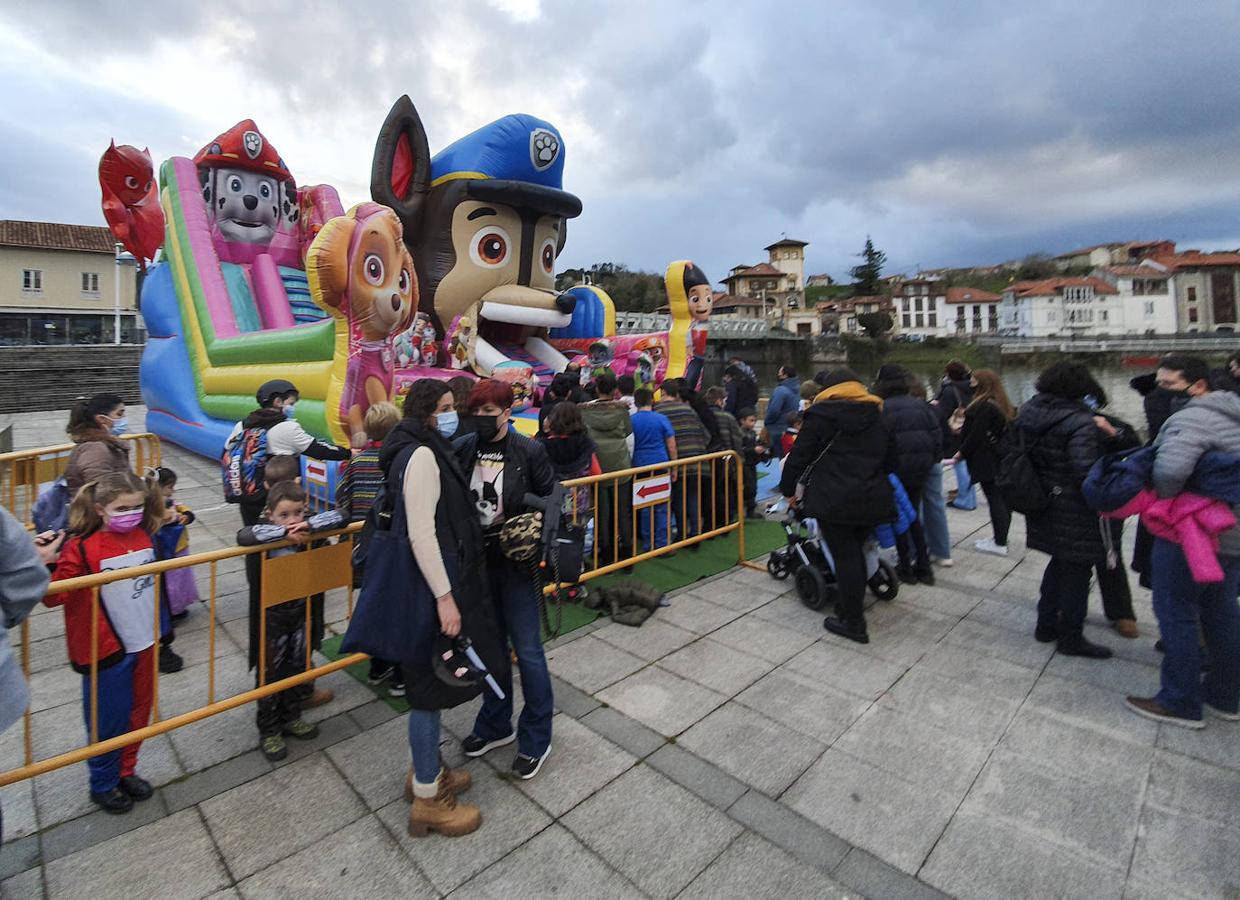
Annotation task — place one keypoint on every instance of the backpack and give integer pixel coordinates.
(243, 466)
(1018, 480)
(51, 510)
(955, 421)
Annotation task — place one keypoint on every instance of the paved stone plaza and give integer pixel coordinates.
(728, 748)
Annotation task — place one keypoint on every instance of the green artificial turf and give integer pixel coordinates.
(667, 574)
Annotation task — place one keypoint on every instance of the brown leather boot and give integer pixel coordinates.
(1126, 628)
(442, 813)
(458, 781)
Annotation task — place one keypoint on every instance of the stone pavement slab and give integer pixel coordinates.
(580, 764)
(24, 886)
(359, 860)
(715, 666)
(375, 762)
(653, 831)
(509, 819)
(553, 863)
(696, 614)
(707, 781)
(178, 859)
(861, 674)
(753, 748)
(762, 639)
(803, 704)
(1189, 854)
(653, 640)
(265, 820)
(660, 700)
(754, 868)
(590, 664)
(966, 710)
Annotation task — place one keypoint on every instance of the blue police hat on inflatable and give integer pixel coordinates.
(517, 160)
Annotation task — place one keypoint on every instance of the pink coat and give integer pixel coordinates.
(1190, 520)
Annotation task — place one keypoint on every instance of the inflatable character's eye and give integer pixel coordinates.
(547, 257)
(489, 247)
(372, 266)
(149, 183)
(234, 184)
(264, 191)
(404, 281)
(131, 182)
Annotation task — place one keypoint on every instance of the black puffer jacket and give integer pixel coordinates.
(1068, 443)
(984, 427)
(915, 428)
(848, 485)
(526, 468)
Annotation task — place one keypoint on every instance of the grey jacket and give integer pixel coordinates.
(1210, 422)
(23, 581)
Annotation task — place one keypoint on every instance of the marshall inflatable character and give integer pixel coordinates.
(246, 186)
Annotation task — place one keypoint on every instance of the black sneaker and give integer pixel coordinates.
(136, 788)
(1082, 647)
(926, 577)
(852, 631)
(169, 662)
(1045, 634)
(379, 672)
(114, 801)
(475, 746)
(905, 574)
(396, 687)
(526, 767)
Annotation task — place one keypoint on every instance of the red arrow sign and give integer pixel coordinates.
(652, 490)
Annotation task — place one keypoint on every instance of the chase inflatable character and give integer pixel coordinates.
(131, 200)
(690, 299)
(485, 220)
(600, 358)
(361, 273)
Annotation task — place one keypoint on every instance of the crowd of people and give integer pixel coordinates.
(447, 472)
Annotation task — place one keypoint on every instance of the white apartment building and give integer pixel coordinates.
(924, 307)
(971, 312)
(1146, 295)
(1061, 306)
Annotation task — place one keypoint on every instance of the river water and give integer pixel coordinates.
(1123, 402)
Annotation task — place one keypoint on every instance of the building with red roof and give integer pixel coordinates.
(1206, 286)
(1086, 305)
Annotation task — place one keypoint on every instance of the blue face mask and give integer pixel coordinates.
(446, 423)
(290, 410)
(120, 426)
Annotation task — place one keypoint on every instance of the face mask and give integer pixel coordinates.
(120, 426)
(486, 427)
(125, 521)
(446, 423)
(289, 410)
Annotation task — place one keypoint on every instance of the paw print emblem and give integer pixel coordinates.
(544, 148)
(253, 142)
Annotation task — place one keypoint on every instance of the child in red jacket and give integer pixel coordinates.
(110, 526)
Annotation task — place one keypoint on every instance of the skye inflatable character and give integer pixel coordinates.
(484, 220)
(131, 200)
(690, 298)
(361, 273)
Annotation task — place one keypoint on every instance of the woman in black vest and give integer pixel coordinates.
(432, 495)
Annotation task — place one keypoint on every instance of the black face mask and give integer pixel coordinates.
(486, 427)
(1176, 399)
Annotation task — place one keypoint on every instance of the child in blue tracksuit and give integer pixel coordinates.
(284, 518)
(654, 441)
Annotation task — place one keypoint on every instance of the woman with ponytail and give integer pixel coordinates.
(110, 526)
(96, 425)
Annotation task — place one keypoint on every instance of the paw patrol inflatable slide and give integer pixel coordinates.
(449, 270)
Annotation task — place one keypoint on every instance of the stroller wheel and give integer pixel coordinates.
(777, 566)
(884, 582)
(811, 587)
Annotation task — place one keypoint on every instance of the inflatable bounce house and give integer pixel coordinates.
(449, 270)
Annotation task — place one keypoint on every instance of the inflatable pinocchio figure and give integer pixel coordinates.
(690, 299)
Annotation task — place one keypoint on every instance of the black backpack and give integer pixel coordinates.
(1018, 480)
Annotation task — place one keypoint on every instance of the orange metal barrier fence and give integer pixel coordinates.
(22, 472)
(713, 482)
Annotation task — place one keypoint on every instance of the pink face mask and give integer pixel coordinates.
(125, 521)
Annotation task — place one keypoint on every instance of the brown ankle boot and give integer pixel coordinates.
(458, 781)
(442, 813)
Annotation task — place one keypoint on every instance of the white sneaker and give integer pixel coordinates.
(1220, 714)
(945, 562)
(987, 545)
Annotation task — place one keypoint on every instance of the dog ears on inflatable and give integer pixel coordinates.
(400, 175)
(327, 263)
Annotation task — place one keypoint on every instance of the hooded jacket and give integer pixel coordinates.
(785, 398)
(1068, 443)
(848, 452)
(610, 426)
(1209, 422)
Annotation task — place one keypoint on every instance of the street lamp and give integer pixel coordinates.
(122, 258)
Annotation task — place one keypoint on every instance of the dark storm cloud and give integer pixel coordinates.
(954, 132)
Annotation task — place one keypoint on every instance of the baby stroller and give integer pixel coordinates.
(807, 558)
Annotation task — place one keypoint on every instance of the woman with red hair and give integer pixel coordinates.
(502, 466)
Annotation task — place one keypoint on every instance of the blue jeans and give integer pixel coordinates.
(517, 609)
(1179, 604)
(966, 493)
(933, 514)
(424, 744)
(660, 526)
(685, 500)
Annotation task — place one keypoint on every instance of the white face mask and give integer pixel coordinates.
(446, 423)
(119, 426)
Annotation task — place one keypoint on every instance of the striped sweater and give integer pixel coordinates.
(359, 483)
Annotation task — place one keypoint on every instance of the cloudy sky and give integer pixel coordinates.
(953, 132)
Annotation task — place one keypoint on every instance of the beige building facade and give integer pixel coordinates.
(59, 285)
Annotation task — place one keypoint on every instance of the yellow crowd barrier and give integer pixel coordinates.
(713, 481)
(22, 472)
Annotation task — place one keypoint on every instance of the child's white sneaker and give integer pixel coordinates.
(987, 545)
